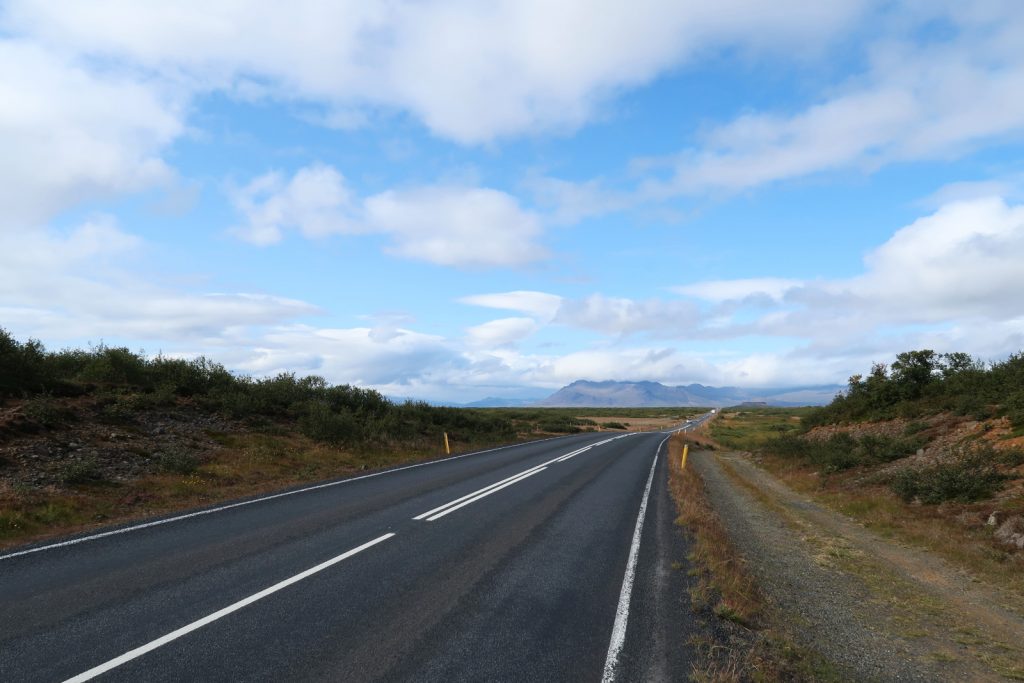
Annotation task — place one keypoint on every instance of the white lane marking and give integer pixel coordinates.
(428, 513)
(575, 453)
(622, 612)
(210, 511)
(502, 483)
(199, 623)
(464, 503)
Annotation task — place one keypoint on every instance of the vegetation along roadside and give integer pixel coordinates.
(105, 435)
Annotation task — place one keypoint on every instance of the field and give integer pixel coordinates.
(748, 429)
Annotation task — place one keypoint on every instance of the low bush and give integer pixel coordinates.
(47, 412)
(178, 461)
(971, 477)
(323, 424)
(83, 471)
(842, 451)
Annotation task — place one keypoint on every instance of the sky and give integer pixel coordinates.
(455, 200)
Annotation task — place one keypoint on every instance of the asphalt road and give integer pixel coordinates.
(526, 563)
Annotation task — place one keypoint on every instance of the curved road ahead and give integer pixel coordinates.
(525, 563)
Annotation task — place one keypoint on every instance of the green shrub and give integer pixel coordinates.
(1011, 457)
(1015, 409)
(971, 477)
(178, 461)
(842, 451)
(613, 425)
(22, 366)
(45, 411)
(323, 424)
(914, 427)
(83, 471)
(118, 410)
(115, 367)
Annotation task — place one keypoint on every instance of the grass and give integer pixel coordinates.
(760, 650)
(870, 500)
(748, 429)
(246, 464)
(724, 583)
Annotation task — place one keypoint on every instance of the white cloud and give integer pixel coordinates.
(349, 355)
(470, 71)
(72, 133)
(315, 201)
(915, 101)
(501, 332)
(954, 270)
(622, 316)
(72, 287)
(456, 226)
(964, 260)
(447, 225)
(538, 304)
(737, 290)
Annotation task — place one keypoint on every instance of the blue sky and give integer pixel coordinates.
(453, 200)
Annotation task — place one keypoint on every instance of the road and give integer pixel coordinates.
(545, 561)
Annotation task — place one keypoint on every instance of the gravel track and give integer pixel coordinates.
(877, 611)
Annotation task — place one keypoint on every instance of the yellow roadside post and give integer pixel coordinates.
(447, 448)
(686, 449)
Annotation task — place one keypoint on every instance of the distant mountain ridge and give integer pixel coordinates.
(585, 393)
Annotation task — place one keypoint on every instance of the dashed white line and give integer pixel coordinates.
(622, 611)
(199, 623)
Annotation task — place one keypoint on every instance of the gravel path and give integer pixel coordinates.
(878, 611)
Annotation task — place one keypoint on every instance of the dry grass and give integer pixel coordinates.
(748, 429)
(245, 465)
(724, 583)
(955, 531)
(638, 423)
(757, 649)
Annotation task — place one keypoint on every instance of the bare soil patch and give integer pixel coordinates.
(633, 423)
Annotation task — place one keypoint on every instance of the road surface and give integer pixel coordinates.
(547, 561)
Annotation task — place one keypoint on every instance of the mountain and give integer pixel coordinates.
(496, 402)
(649, 394)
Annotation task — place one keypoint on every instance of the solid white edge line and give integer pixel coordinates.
(622, 611)
(199, 623)
(221, 508)
(528, 473)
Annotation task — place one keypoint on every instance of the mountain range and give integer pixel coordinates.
(584, 393)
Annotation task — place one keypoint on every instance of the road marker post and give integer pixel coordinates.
(686, 449)
(447, 448)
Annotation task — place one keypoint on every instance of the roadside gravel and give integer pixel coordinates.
(873, 609)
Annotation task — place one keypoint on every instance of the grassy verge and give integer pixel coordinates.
(942, 508)
(755, 648)
(748, 429)
(247, 463)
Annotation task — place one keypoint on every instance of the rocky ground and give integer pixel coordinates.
(54, 443)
